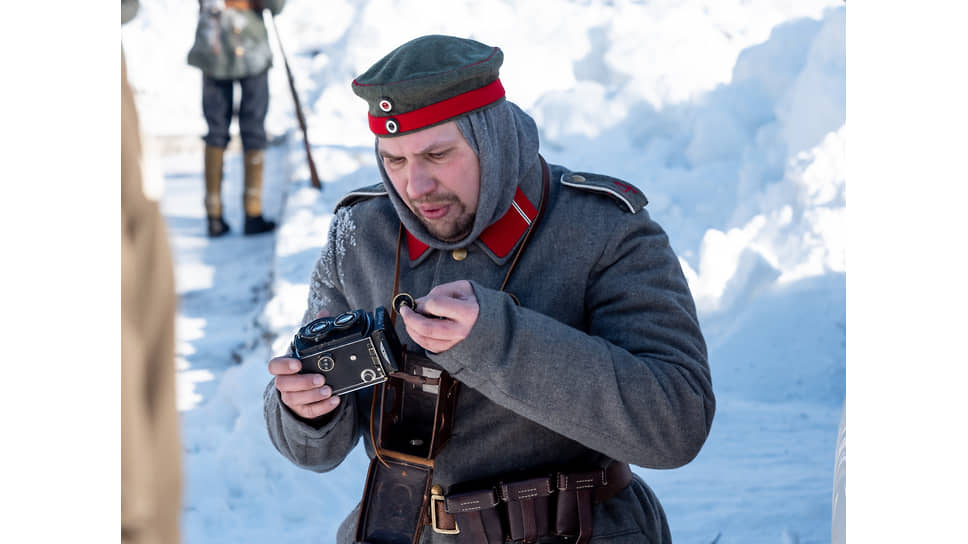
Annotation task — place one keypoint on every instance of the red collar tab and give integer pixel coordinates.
(415, 247)
(503, 235)
(440, 111)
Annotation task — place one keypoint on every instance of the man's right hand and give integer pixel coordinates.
(305, 394)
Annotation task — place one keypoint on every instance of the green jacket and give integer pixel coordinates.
(231, 43)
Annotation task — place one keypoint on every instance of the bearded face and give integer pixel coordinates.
(438, 175)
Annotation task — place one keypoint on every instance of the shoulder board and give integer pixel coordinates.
(363, 193)
(625, 194)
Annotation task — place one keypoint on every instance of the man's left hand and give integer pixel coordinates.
(444, 316)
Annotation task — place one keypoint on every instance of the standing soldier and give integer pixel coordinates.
(232, 45)
(553, 342)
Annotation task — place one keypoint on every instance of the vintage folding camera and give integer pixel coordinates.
(353, 350)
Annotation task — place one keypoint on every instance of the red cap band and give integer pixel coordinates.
(440, 111)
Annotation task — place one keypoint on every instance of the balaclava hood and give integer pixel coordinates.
(505, 140)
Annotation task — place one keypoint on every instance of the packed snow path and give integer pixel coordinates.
(222, 284)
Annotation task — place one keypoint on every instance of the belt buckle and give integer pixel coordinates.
(434, 499)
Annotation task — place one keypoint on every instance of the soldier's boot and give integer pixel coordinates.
(213, 191)
(254, 222)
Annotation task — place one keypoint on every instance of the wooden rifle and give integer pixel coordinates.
(299, 114)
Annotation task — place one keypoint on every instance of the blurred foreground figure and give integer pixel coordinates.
(232, 45)
(550, 339)
(150, 442)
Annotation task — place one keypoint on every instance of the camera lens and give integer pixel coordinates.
(344, 319)
(318, 327)
(368, 375)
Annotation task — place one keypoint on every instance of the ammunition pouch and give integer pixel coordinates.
(529, 509)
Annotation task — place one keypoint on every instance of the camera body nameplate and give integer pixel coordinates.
(354, 365)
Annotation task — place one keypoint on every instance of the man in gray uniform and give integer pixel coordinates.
(549, 295)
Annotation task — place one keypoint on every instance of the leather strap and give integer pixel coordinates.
(585, 526)
(396, 275)
(545, 183)
(442, 521)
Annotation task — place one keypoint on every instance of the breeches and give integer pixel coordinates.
(217, 105)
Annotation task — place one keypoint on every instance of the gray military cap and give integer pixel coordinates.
(428, 81)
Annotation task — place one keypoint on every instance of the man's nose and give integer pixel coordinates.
(420, 181)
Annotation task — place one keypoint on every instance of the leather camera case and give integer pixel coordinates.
(394, 500)
(417, 408)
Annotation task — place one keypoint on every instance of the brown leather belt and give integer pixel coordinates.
(528, 509)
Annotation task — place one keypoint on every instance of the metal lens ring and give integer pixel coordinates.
(318, 327)
(344, 319)
(404, 299)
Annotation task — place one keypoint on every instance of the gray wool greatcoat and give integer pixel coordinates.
(603, 359)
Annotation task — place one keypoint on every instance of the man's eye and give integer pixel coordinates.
(438, 155)
(393, 161)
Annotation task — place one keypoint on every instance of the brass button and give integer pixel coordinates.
(239, 51)
(436, 490)
(577, 178)
(459, 254)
